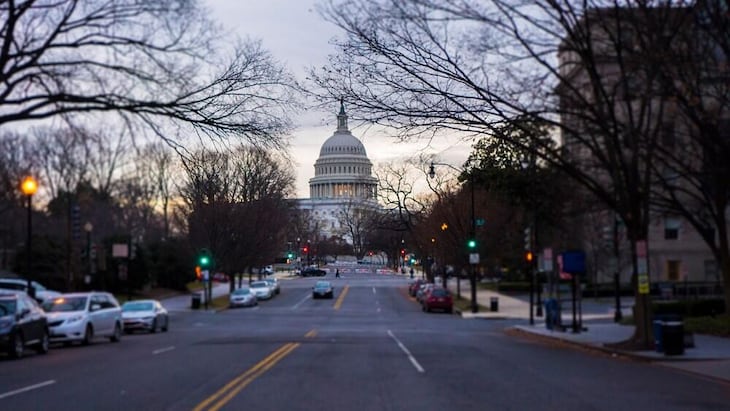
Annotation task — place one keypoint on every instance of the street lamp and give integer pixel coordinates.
(29, 186)
(472, 235)
(88, 227)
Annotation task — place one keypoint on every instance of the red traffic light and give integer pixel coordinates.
(403, 251)
(305, 249)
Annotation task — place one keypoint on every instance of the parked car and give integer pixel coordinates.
(423, 291)
(147, 315)
(313, 272)
(438, 298)
(323, 289)
(242, 297)
(22, 324)
(274, 283)
(19, 284)
(81, 317)
(414, 286)
(262, 289)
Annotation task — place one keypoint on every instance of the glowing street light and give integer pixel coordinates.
(29, 186)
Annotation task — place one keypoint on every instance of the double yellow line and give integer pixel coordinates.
(341, 298)
(230, 390)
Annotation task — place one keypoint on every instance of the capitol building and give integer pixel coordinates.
(342, 182)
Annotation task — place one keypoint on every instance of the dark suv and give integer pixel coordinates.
(22, 324)
(313, 272)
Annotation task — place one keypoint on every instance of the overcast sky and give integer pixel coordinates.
(297, 36)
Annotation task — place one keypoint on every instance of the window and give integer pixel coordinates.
(671, 228)
(673, 270)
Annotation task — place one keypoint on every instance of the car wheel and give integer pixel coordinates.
(17, 345)
(42, 347)
(117, 336)
(167, 325)
(88, 335)
(153, 328)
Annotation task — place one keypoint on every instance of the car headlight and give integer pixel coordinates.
(74, 319)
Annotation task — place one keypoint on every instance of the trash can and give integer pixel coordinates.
(494, 304)
(673, 337)
(656, 328)
(195, 304)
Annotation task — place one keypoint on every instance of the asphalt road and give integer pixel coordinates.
(369, 348)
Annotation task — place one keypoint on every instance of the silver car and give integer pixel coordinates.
(83, 316)
(262, 289)
(242, 297)
(146, 315)
(274, 283)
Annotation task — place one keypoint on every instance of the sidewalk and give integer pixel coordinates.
(710, 356)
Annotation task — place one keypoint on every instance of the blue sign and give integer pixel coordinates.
(574, 262)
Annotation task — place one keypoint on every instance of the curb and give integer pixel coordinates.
(476, 317)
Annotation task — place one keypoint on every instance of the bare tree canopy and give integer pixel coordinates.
(606, 75)
(148, 61)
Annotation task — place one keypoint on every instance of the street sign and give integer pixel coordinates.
(474, 258)
(206, 275)
(120, 250)
(479, 222)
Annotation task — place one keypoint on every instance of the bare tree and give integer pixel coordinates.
(588, 70)
(147, 61)
(236, 206)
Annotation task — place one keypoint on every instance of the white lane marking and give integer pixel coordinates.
(28, 388)
(373, 290)
(161, 350)
(408, 353)
(301, 302)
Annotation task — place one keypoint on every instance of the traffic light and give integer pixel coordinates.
(528, 238)
(290, 255)
(205, 260)
(403, 252)
(198, 272)
(471, 244)
(529, 257)
(305, 249)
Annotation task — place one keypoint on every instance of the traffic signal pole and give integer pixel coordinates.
(474, 306)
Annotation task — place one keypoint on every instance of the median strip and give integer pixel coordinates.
(341, 298)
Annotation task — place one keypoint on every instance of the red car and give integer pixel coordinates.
(438, 298)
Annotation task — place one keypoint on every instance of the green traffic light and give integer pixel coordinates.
(472, 244)
(204, 261)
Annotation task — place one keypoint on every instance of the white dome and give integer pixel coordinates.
(342, 143)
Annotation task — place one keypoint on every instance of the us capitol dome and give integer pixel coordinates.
(342, 180)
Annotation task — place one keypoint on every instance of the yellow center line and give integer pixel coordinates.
(237, 384)
(232, 393)
(341, 298)
(271, 358)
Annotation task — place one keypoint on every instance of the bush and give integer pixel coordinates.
(719, 325)
(690, 308)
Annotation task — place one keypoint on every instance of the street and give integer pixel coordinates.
(368, 348)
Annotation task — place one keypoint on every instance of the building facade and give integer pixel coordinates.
(342, 184)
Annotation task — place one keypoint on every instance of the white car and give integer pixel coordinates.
(242, 297)
(262, 289)
(83, 316)
(147, 315)
(41, 292)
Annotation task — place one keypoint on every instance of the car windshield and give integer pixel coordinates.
(65, 304)
(322, 284)
(439, 292)
(138, 306)
(242, 291)
(259, 284)
(7, 307)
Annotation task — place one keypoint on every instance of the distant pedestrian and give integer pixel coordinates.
(411, 272)
(337, 273)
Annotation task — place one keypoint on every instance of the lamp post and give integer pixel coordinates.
(29, 186)
(472, 234)
(88, 227)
